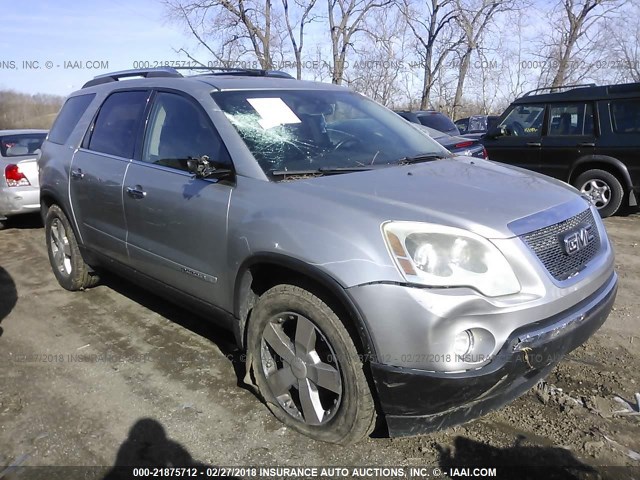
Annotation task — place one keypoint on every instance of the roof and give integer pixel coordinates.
(584, 93)
(22, 131)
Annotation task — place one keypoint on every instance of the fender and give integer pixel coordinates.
(614, 162)
(242, 284)
(46, 192)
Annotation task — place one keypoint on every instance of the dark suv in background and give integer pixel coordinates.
(588, 136)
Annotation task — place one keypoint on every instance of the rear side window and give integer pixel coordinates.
(625, 116)
(68, 117)
(116, 127)
(571, 119)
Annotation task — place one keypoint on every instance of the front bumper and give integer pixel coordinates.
(18, 200)
(417, 401)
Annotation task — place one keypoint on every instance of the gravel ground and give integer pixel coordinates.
(115, 375)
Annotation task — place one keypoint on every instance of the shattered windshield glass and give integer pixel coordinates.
(323, 130)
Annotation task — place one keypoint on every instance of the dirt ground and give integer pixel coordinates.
(115, 374)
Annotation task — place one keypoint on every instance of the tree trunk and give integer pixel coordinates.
(462, 74)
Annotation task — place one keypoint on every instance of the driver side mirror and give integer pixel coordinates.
(499, 131)
(203, 168)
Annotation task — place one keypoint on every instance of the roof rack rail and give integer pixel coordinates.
(250, 72)
(173, 72)
(561, 87)
(143, 72)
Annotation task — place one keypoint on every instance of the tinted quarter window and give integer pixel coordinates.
(438, 121)
(68, 117)
(524, 120)
(625, 116)
(23, 144)
(179, 130)
(571, 119)
(116, 126)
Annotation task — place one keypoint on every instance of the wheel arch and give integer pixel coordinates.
(601, 162)
(265, 270)
(48, 198)
(611, 165)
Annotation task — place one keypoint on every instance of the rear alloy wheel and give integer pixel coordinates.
(307, 367)
(603, 189)
(66, 260)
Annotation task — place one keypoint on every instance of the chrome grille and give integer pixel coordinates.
(547, 244)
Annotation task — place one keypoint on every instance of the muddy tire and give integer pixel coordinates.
(603, 189)
(67, 263)
(307, 368)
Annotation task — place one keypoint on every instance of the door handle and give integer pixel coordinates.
(136, 192)
(77, 174)
(587, 144)
(534, 144)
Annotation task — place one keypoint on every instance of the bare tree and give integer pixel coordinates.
(381, 59)
(473, 17)
(345, 20)
(514, 77)
(245, 25)
(430, 21)
(21, 110)
(295, 29)
(624, 58)
(566, 55)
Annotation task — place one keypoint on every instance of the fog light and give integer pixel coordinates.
(463, 343)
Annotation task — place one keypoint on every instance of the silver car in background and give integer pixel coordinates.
(19, 187)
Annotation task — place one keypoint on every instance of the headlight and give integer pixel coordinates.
(440, 256)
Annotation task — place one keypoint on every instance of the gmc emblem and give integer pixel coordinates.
(577, 239)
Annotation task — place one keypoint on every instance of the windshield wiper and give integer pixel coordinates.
(423, 157)
(322, 171)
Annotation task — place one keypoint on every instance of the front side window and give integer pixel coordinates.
(116, 127)
(524, 121)
(307, 129)
(178, 131)
(21, 144)
(625, 116)
(571, 119)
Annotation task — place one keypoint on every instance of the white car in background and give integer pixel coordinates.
(19, 186)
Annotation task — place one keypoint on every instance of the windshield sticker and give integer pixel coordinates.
(273, 112)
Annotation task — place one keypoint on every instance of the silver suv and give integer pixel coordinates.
(367, 272)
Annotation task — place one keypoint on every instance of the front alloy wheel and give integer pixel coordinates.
(301, 368)
(598, 192)
(306, 366)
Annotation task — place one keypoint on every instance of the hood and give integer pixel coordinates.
(474, 194)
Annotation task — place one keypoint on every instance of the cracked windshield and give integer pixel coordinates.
(308, 132)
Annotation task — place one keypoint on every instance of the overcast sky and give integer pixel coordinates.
(119, 32)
